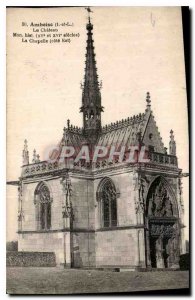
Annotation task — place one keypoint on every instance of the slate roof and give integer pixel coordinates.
(124, 132)
(120, 133)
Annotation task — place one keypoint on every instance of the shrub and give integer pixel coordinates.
(12, 246)
(30, 259)
(184, 261)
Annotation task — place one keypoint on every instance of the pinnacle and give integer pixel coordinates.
(148, 99)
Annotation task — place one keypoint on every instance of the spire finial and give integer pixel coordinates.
(148, 100)
(38, 158)
(89, 11)
(65, 139)
(68, 123)
(172, 144)
(34, 156)
(26, 145)
(171, 135)
(25, 153)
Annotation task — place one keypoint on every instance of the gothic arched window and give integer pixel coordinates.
(43, 207)
(108, 203)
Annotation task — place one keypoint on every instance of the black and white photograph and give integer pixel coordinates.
(97, 150)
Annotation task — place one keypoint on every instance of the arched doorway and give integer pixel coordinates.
(163, 227)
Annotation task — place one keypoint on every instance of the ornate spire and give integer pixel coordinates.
(65, 139)
(91, 97)
(148, 101)
(34, 156)
(25, 154)
(38, 158)
(172, 144)
(68, 123)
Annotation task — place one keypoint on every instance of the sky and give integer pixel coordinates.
(138, 49)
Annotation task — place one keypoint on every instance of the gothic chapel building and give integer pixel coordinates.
(114, 214)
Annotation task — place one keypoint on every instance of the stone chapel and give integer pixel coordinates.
(105, 214)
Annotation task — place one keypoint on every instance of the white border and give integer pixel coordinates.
(3, 5)
(98, 3)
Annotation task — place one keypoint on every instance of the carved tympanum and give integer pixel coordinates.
(160, 204)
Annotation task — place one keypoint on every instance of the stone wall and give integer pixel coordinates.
(83, 243)
(83, 249)
(83, 203)
(125, 201)
(29, 221)
(117, 248)
(28, 206)
(43, 242)
(89, 244)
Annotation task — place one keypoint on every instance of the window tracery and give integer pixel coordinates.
(108, 204)
(43, 207)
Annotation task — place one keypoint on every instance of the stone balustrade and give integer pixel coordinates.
(46, 167)
(163, 159)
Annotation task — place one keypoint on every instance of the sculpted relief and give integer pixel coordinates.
(160, 202)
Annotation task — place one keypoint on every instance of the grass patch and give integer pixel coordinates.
(77, 281)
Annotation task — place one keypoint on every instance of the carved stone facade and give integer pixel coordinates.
(105, 213)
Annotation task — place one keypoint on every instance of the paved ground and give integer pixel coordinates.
(60, 281)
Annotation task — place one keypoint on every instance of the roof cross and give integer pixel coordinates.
(89, 11)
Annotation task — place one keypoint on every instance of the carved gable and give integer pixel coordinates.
(152, 136)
